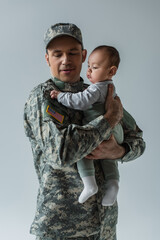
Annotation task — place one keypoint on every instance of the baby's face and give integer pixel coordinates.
(98, 66)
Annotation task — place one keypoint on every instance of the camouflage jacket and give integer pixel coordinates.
(58, 141)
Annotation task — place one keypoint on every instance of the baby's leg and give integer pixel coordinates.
(87, 173)
(110, 169)
(118, 133)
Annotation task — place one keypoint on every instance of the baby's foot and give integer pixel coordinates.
(87, 193)
(90, 188)
(111, 192)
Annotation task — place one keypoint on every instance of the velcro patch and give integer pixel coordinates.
(59, 117)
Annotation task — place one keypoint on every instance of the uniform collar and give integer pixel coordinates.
(68, 87)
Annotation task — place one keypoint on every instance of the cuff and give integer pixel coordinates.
(102, 127)
(127, 150)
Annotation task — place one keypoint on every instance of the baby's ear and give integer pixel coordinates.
(113, 70)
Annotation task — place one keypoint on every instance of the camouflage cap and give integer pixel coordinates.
(61, 29)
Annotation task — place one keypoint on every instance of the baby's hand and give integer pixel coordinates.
(54, 94)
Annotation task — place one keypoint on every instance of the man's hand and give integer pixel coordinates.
(54, 94)
(108, 149)
(113, 107)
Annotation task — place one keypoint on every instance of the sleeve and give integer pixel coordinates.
(62, 146)
(133, 138)
(80, 100)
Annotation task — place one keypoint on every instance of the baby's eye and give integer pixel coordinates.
(95, 67)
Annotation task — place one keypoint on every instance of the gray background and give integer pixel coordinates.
(133, 28)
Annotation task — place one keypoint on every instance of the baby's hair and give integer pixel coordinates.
(112, 52)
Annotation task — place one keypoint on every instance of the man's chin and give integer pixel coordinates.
(69, 79)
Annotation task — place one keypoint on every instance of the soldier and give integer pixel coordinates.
(59, 140)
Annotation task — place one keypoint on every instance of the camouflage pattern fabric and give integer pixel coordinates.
(56, 147)
(94, 237)
(60, 29)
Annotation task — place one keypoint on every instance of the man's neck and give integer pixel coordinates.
(66, 86)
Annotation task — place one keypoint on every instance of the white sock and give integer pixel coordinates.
(111, 192)
(90, 188)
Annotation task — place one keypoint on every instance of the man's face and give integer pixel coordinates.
(65, 57)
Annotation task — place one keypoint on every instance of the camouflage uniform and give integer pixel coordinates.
(58, 141)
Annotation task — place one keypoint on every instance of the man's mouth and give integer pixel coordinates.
(68, 70)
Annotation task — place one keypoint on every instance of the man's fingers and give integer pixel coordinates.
(118, 99)
(93, 154)
(110, 91)
(111, 137)
(120, 106)
(89, 156)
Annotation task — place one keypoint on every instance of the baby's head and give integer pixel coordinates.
(103, 63)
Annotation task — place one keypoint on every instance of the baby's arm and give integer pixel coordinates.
(80, 100)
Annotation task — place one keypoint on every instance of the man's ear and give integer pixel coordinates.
(47, 59)
(112, 71)
(84, 55)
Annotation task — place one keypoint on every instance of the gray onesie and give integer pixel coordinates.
(91, 101)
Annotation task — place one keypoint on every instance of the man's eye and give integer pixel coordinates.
(73, 53)
(57, 55)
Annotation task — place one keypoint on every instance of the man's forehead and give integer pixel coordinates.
(64, 42)
(69, 49)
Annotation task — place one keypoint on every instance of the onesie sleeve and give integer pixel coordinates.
(80, 100)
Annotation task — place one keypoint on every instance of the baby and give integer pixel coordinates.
(103, 63)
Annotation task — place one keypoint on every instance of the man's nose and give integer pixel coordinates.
(65, 59)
